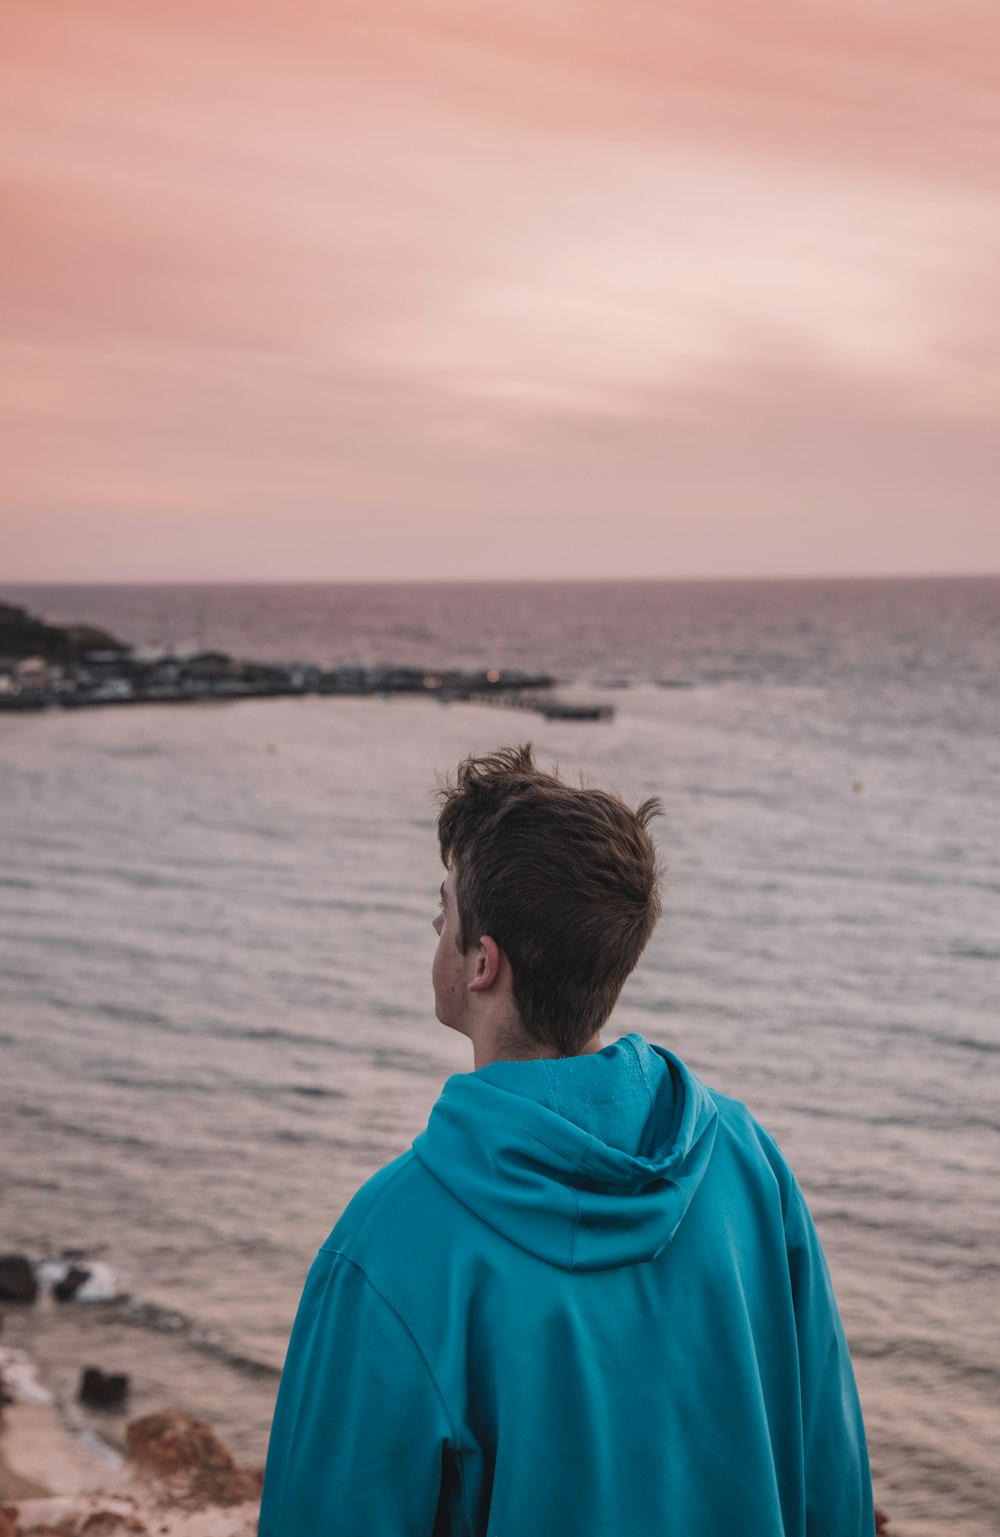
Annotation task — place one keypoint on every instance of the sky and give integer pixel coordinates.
(379, 289)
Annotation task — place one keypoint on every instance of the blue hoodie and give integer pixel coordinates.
(589, 1301)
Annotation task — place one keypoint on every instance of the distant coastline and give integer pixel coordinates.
(45, 666)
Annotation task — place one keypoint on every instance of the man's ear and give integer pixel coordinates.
(487, 964)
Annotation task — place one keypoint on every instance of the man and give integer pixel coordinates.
(590, 1299)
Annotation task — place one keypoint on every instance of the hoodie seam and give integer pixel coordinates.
(656, 1171)
(452, 1429)
(352, 1239)
(474, 1212)
(575, 1225)
(561, 1152)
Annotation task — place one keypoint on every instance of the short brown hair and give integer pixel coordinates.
(565, 880)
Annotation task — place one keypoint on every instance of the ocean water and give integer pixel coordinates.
(215, 942)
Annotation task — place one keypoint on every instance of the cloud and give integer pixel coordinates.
(368, 255)
(637, 273)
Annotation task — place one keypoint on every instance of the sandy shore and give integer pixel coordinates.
(177, 1480)
(40, 1454)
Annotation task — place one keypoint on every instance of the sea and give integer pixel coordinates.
(216, 1016)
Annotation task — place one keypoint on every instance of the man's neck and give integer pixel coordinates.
(514, 1045)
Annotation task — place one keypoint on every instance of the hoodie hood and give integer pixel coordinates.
(531, 1158)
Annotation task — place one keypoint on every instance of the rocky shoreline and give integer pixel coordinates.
(176, 1480)
(168, 1474)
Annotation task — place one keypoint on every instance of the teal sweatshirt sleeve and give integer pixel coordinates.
(838, 1488)
(360, 1430)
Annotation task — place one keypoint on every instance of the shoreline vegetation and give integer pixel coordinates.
(43, 666)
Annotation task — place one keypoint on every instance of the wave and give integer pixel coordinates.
(313, 1091)
(105, 1300)
(133, 1015)
(42, 1116)
(19, 1375)
(941, 1474)
(939, 1248)
(935, 1352)
(137, 1313)
(967, 950)
(935, 1037)
(273, 1033)
(101, 1283)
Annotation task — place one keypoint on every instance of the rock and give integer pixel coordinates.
(70, 1283)
(174, 1442)
(109, 1523)
(87, 1515)
(8, 1521)
(103, 1390)
(227, 1486)
(17, 1279)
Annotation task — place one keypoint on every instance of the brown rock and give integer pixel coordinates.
(8, 1521)
(174, 1445)
(174, 1442)
(225, 1486)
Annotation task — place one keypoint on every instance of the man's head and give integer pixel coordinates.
(557, 883)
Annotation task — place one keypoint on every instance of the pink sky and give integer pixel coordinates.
(397, 288)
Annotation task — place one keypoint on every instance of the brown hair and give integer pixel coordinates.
(565, 880)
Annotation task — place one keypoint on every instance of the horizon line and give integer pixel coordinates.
(507, 581)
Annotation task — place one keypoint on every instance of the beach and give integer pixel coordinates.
(41, 1455)
(173, 1478)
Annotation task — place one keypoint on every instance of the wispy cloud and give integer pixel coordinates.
(247, 249)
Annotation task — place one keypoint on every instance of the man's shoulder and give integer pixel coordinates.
(392, 1211)
(739, 1119)
(751, 1143)
(386, 1186)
